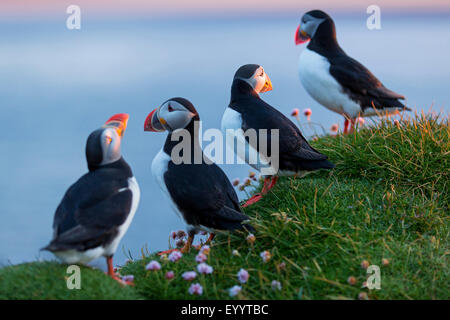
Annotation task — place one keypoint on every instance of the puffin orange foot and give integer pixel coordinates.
(252, 200)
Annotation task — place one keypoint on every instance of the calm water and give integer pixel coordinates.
(56, 86)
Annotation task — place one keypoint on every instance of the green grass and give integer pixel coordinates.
(386, 199)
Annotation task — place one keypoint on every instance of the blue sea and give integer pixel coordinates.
(58, 85)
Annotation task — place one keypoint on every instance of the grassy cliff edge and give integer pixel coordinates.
(386, 203)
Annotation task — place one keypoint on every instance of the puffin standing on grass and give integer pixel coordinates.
(334, 79)
(97, 210)
(248, 111)
(198, 189)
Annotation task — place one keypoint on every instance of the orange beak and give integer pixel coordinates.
(300, 36)
(119, 122)
(267, 85)
(153, 123)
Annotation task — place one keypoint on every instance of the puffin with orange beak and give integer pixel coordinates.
(335, 80)
(247, 112)
(199, 191)
(97, 210)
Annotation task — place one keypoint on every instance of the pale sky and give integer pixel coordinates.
(35, 8)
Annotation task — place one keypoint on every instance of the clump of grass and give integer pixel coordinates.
(48, 280)
(385, 204)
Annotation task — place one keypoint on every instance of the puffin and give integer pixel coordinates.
(337, 81)
(97, 210)
(198, 190)
(247, 111)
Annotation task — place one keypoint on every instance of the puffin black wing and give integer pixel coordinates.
(296, 154)
(91, 211)
(204, 196)
(362, 86)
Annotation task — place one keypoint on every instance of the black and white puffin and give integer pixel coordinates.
(199, 190)
(97, 210)
(334, 79)
(248, 111)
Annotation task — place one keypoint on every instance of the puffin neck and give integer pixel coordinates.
(241, 89)
(324, 41)
(193, 130)
(120, 164)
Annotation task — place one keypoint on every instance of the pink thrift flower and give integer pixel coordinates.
(170, 275)
(251, 238)
(204, 268)
(196, 289)
(243, 276)
(361, 121)
(247, 182)
(181, 234)
(200, 258)
(307, 113)
(295, 112)
(265, 256)
(396, 123)
(334, 128)
(234, 291)
(153, 266)
(189, 275)
(236, 182)
(251, 175)
(175, 256)
(276, 285)
(179, 243)
(205, 249)
(128, 278)
(282, 266)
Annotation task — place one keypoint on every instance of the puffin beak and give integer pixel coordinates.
(300, 35)
(119, 122)
(153, 123)
(267, 85)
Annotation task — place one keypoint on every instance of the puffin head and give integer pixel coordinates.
(309, 25)
(175, 113)
(103, 145)
(255, 76)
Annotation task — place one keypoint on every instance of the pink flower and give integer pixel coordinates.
(179, 243)
(360, 121)
(251, 238)
(153, 266)
(265, 256)
(241, 187)
(307, 113)
(205, 249)
(189, 275)
(396, 123)
(295, 112)
(128, 278)
(243, 275)
(236, 182)
(282, 266)
(247, 182)
(204, 268)
(251, 175)
(196, 289)
(276, 285)
(234, 291)
(175, 256)
(334, 128)
(170, 275)
(181, 234)
(235, 253)
(201, 258)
